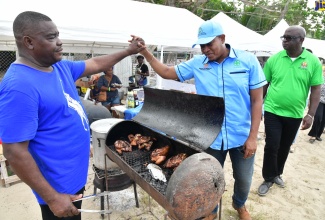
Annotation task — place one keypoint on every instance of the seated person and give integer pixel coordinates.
(110, 83)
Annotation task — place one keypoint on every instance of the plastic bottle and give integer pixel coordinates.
(130, 100)
(136, 100)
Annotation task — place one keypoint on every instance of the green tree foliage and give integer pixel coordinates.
(258, 15)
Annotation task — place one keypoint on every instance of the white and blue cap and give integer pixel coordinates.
(208, 31)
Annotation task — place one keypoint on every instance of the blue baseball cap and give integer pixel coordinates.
(208, 31)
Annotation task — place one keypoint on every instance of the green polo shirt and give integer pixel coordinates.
(290, 82)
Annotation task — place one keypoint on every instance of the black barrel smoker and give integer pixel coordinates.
(189, 124)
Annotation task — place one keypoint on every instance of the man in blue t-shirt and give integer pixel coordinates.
(236, 76)
(43, 126)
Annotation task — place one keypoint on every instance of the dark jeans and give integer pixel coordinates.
(242, 172)
(47, 214)
(319, 121)
(280, 133)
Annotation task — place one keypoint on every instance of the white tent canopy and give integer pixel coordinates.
(236, 33)
(106, 25)
(277, 31)
(317, 46)
(273, 37)
(241, 37)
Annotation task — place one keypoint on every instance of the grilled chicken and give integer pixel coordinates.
(135, 139)
(131, 137)
(121, 146)
(147, 145)
(143, 139)
(159, 155)
(174, 161)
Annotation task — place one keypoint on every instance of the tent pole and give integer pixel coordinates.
(159, 79)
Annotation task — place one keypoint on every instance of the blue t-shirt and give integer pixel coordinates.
(232, 80)
(45, 109)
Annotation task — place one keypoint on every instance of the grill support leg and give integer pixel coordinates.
(107, 200)
(220, 208)
(106, 183)
(150, 203)
(135, 194)
(165, 216)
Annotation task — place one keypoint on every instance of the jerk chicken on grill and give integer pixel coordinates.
(159, 154)
(121, 146)
(174, 161)
(141, 141)
(135, 140)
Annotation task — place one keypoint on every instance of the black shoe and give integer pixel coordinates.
(278, 181)
(319, 139)
(264, 188)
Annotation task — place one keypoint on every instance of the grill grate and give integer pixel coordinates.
(138, 160)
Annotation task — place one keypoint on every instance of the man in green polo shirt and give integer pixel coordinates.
(290, 74)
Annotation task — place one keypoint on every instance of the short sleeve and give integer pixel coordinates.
(22, 123)
(257, 77)
(317, 75)
(100, 82)
(144, 68)
(184, 70)
(267, 70)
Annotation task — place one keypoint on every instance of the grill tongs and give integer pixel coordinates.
(94, 196)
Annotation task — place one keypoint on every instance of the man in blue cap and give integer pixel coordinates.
(236, 76)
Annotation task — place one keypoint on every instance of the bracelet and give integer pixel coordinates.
(153, 57)
(109, 89)
(310, 116)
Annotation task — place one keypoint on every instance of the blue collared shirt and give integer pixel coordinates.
(232, 80)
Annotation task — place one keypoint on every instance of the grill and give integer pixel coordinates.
(116, 178)
(138, 160)
(188, 124)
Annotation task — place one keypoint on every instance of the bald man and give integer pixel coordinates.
(290, 74)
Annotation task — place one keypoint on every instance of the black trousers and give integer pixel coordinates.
(280, 133)
(47, 214)
(319, 121)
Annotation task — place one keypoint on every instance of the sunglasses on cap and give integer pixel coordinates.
(288, 37)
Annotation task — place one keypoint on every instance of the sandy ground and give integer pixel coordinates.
(302, 198)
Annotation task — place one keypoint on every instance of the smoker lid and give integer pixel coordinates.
(194, 120)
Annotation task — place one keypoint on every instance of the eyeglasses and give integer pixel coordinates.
(288, 37)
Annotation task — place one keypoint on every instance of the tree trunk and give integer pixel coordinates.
(284, 11)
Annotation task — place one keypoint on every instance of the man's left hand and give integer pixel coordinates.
(307, 121)
(250, 147)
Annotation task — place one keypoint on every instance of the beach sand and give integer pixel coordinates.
(302, 198)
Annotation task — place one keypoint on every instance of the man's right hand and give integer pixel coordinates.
(138, 39)
(137, 44)
(61, 205)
